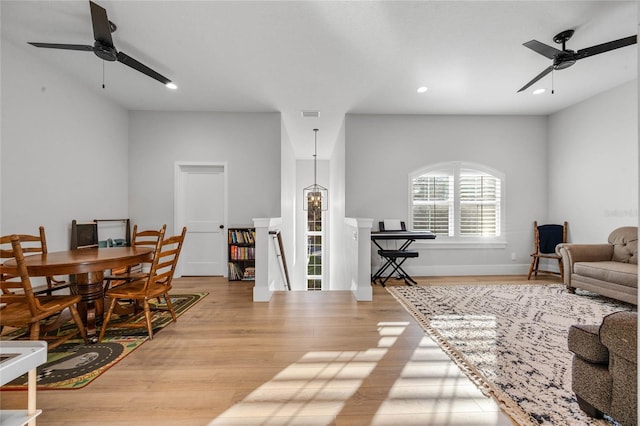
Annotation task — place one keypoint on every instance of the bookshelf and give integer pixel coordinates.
(241, 253)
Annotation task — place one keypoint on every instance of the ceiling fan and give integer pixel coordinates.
(565, 58)
(103, 45)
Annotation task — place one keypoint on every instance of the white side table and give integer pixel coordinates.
(16, 358)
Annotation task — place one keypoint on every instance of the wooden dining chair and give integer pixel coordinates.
(31, 244)
(546, 238)
(146, 238)
(25, 309)
(156, 284)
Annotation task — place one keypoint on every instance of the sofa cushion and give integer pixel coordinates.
(584, 341)
(625, 274)
(625, 244)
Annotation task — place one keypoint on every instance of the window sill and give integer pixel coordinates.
(459, 244)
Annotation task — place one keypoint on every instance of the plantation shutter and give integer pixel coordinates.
(432, 203)
(479, 204)
(457, 200)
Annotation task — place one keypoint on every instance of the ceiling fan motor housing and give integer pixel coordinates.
(564, 60)
(102, 51)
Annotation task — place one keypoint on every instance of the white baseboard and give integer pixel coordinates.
(457, 270)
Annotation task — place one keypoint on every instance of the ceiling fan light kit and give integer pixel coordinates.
(565, 58)
(104, 48)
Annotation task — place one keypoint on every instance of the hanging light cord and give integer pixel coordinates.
(315, 153)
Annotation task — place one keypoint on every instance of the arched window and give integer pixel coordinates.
(457, 200)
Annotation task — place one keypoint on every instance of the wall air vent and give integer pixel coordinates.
(310, 114)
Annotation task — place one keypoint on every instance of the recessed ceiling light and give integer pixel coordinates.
(422, 89)
(539, 91)
(171, 85)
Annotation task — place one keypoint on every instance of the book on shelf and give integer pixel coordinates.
(249, 273)
(235, 272)
(242, 253)
(242, 236)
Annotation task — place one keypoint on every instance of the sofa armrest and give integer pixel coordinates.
(572, 253)
(584, 341)
(619, 333)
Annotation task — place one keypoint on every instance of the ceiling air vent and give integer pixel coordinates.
(310, 114)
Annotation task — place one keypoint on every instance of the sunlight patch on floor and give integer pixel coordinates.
(316, 385)
(430, 389)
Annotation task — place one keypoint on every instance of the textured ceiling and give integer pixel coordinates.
(334, 57)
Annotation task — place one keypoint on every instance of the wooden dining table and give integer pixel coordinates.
(85, 268)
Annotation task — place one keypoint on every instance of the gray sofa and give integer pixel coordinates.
(605, 367)
(609, 269)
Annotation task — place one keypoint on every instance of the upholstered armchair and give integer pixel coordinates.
(605, 367)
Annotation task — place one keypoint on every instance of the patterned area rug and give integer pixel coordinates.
(74, 365)
(511, 340)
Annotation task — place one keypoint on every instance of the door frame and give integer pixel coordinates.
(180, 168)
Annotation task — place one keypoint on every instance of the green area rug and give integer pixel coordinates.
(74, 365)
(511, 341)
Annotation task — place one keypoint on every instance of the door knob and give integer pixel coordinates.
(221, 226)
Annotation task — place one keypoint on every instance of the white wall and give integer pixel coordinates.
(381, 150)
(64, 151)
(339, 277)
(289, 201)
(593, 164)
(249, 143)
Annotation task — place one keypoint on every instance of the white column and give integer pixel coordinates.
(359, 254)
(261, 291)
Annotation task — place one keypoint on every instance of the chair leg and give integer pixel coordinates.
(34, 332)
(147, 315)
(107, 317)
(170, 307)
(79, 324)
(531, 267)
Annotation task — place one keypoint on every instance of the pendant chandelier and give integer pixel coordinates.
(315, 196)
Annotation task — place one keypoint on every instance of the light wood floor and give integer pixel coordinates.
(304, 358)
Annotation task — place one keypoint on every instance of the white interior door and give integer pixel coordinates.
(202, 195)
